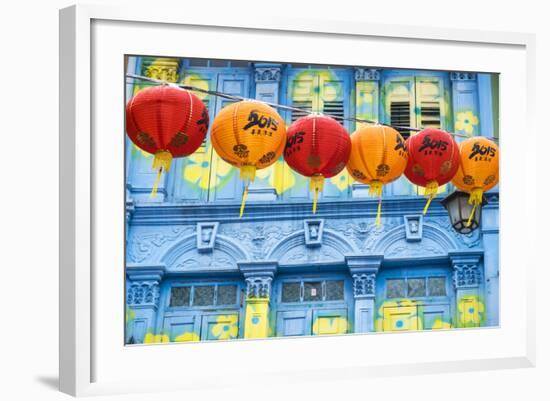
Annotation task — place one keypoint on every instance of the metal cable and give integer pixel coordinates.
(278, 106)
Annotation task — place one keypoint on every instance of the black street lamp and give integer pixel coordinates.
(460, 210)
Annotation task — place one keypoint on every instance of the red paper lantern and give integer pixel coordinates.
(168, 122)
(434, 158)
(318, 147)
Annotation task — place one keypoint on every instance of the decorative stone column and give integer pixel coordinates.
(268, 78)
(258, 277)
(142, 300)
(465, 101)
(491, 262)
(467, 280)
(363, 270)
(367, 100)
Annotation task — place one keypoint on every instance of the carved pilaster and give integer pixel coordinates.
(363, 269)
(364, 285)
(143, 289)
(466, 275)
(463, 76)
(367, 74)
(143, 293)
(267, 74)
(258, 277)
(258, 287)
(466, 269)
(162, 68)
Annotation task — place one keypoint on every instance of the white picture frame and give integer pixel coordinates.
(93, 361)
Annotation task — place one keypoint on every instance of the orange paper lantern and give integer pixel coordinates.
(478, 170)
(378, 156)
(249, 135)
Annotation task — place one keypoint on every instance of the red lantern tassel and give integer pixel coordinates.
(430, 192)
(316, 183)
(161, 162)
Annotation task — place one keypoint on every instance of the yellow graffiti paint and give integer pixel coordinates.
(342, 180)
(257, 318)
(226, 327)
(400, 315)
(151, 338)
(197, 81)
(439, 324)
(130, 315)
(471, 311)
(187, 337)
(466, 121)
(198, 169)
(329, 325)
(163, 68)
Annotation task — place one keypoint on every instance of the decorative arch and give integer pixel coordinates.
(187, 246)
(434, 242)
(331, 239)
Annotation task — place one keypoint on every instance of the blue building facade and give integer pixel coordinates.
(195, 271)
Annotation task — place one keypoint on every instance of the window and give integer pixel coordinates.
(180, 296)
(227, 295)
(396, 288)
(321, 91)
(400, 116)
(291, 292)
(312, 291)
(437, 286)
(415, 102)
(204, 295)
(416, 287)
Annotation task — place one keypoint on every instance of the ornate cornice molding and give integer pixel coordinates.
(267, 74)
(143, 293)
(367, 74)
(463, 76)
(466, 268)
(364, 285)
(162, 68)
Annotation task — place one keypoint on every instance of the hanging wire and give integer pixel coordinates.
(278, 106)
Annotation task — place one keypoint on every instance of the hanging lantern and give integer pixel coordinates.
(478, 171)
(249, 135)
(167, 122)
(378, 156)
(433, 160)
(317, 147)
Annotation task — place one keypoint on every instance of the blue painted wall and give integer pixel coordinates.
(335, 272)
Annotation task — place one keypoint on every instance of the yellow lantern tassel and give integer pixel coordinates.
(476, 197)
(379, 211)
(247, 174)
(245, 193)
(161, 162)
(430, 192)
(316, 184)
(375, 189)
